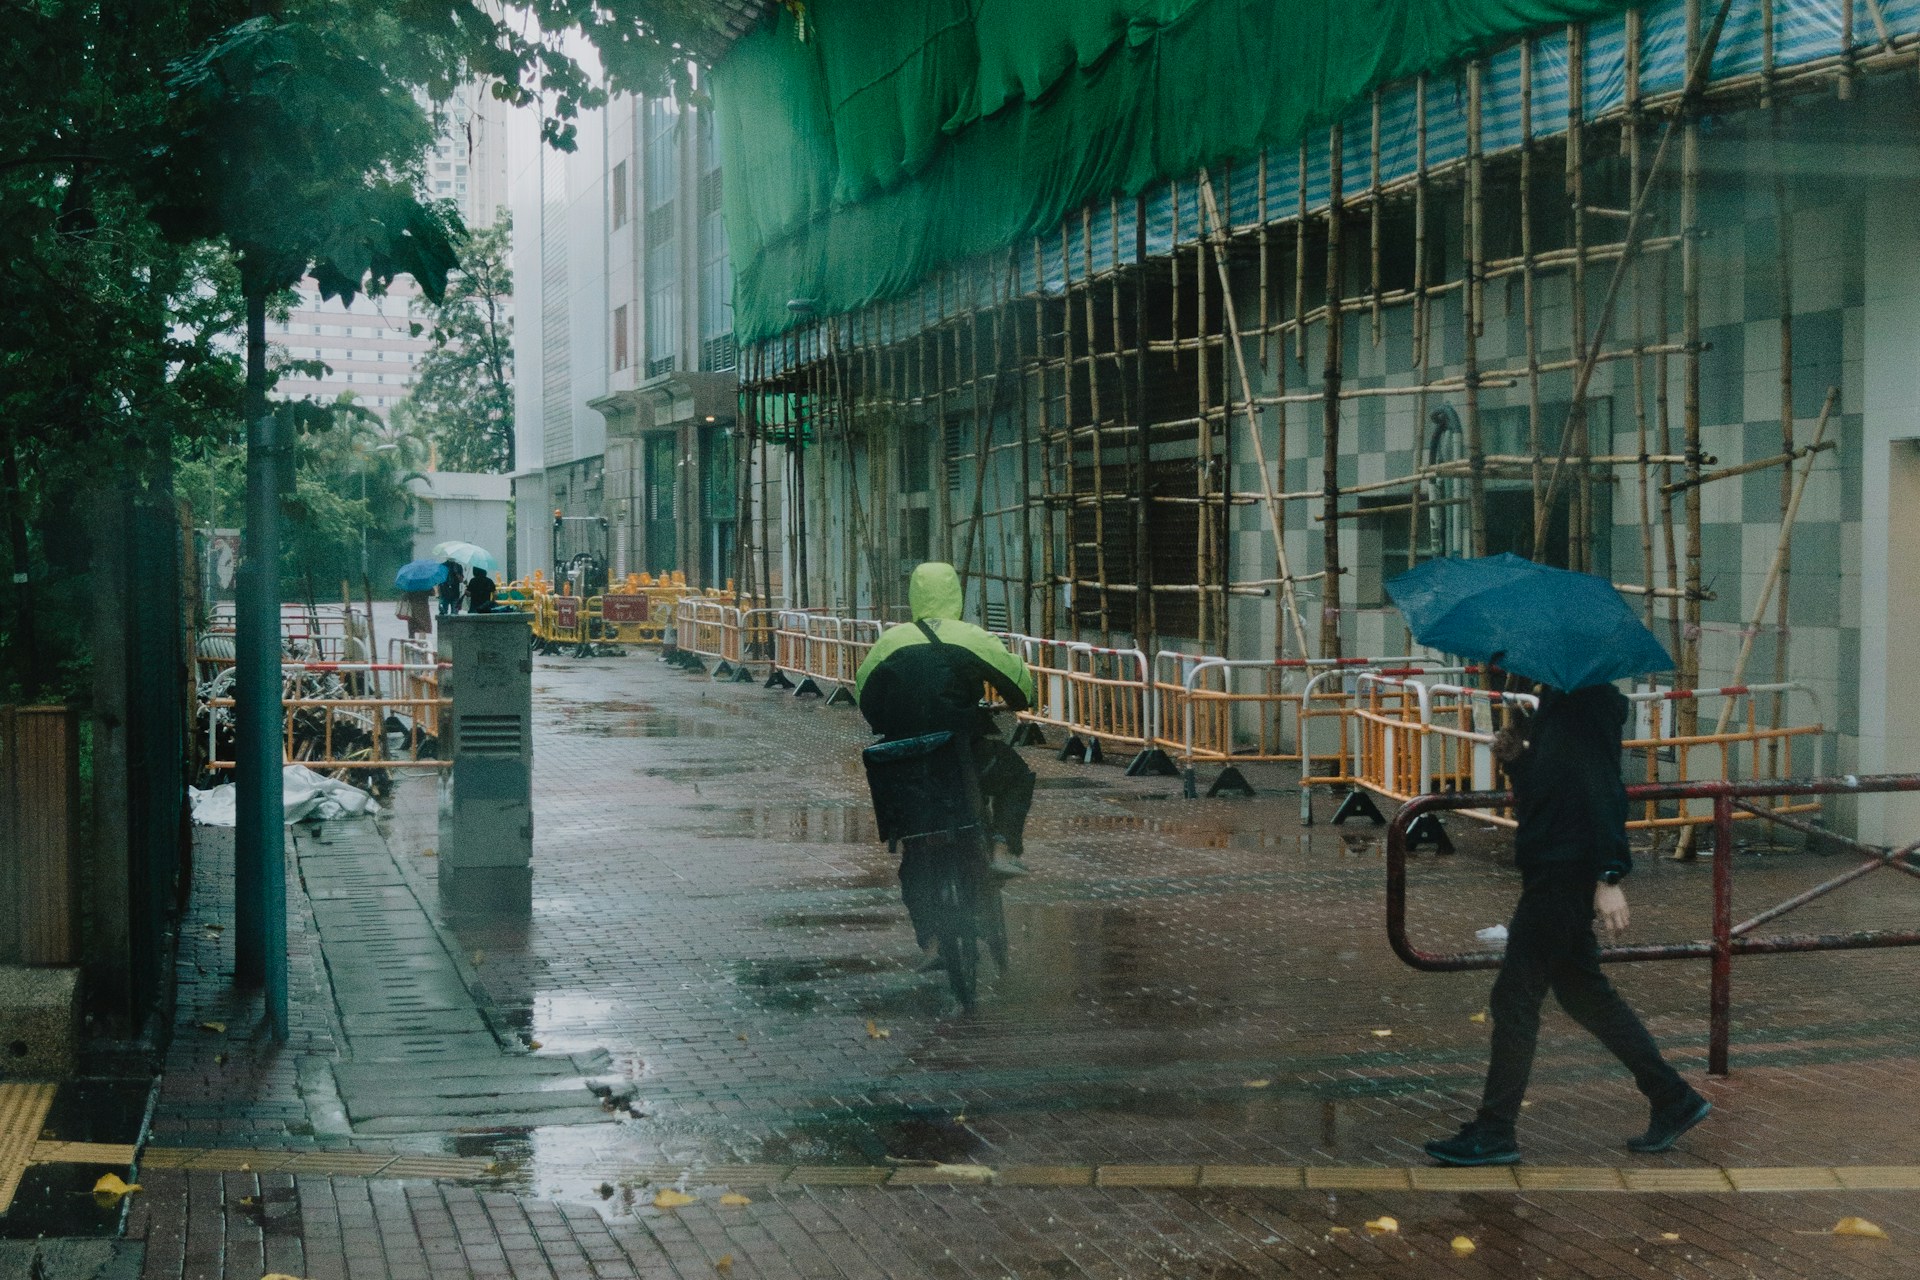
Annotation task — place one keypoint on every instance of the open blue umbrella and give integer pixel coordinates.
(420, 575)
(1568, 630)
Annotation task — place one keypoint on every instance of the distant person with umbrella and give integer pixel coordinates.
(451, 587)
(416, 581)
(1572, 635)
(479, 592)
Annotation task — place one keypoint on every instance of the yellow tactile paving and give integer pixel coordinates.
(1046, 1175)
(1282, 1177)
(1495, 1178)
(23, 1108)
(23, 1113)
(1324, 1178)
(1807, 1179)
(1147, 1175)
(1554, 1178)
(117, 1154)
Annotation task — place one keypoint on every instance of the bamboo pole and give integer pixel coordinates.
(1783, 268)
(1780, 551)
(1330, 414)
(1580, 500)
(1276, 514)
(1471, 300)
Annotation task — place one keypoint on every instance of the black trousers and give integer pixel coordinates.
(1551, 947)
(1006, 788)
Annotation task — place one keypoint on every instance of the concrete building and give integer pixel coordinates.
(460, 506)
(625, 395)
(369, 347)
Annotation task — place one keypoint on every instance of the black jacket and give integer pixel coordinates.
(928, 688)
(1568, 794)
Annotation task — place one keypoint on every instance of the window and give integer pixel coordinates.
(619, 192)
(662, 265)
(619, 338)
(423, 517)
(716, 273)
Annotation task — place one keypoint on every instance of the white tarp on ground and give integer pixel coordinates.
(308, 795)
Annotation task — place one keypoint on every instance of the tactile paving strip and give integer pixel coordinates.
(1658, 1181)
(23, 1112)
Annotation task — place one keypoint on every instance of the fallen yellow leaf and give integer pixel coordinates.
(1670, 1236)
(278, 1275)
(479, 957)
(1382, 1033)
(429, 853)
(1382, 1226)
(1339, 1231)
(725, 1263)
(961, 1118)
(733, 1200)
(533, 1044)
(218, 1028)
(112, 1185)
(1479, 1017)
(1462, 1247)
(668, 1198)
(875, 1032)
(1255, 1084)
(1858, 1227)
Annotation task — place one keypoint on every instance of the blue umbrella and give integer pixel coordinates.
(1567, 630)
(420, 575)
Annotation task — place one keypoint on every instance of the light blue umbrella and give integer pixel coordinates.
(1568, 630)
(468, 554)
(420, 575)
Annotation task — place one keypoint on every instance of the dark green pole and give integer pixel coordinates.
(259, 855)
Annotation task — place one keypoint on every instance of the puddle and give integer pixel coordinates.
(779, 973)
(873, 1137)
(56, 1200)
(847, 824)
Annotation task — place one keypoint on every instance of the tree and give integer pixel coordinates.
(463, 394)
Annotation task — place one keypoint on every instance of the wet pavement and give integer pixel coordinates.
(1203, 1060)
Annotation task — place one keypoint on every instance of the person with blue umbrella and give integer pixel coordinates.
(415, 580)
(1571, 635)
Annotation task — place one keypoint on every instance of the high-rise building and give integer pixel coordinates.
(369, 347)
(626, 392)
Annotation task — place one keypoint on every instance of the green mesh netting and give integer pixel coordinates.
(902, 135)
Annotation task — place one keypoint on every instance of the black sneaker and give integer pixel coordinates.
(1475, 1145)
(1667, 1125)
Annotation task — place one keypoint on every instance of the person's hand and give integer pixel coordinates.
(1610, 904)
(1509, 744)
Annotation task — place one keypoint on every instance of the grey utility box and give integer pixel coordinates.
(486, 827)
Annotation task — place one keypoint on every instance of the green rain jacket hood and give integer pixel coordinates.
(934, 593)
(935, 597)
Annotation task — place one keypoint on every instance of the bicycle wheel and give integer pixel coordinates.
(958, 925)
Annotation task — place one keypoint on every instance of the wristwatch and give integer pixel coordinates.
(1612, 876)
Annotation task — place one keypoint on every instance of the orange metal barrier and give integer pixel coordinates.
(1415, 736)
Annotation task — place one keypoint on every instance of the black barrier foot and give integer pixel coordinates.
(842, 697)
(1152, 761)
(1358, 804)
(1189, 785)
(1027, 734)
(724, 671)
(1230, 779)
(1426, 829)
(777, 679)
(808, 689)
(694, 665)
(1085, 750)
(741, 675)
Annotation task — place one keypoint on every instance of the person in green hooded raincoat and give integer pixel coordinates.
(929, 677)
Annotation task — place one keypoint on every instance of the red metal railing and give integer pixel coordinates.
(1728, 937)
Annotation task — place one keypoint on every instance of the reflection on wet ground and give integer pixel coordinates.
(57, 1200)
(1192, 980)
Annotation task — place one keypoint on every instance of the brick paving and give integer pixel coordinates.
(711, 909)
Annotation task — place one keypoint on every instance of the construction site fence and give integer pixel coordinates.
(1391, 727)
(328, 633)
(347, 733)
(1402, 735)
(632, 615)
